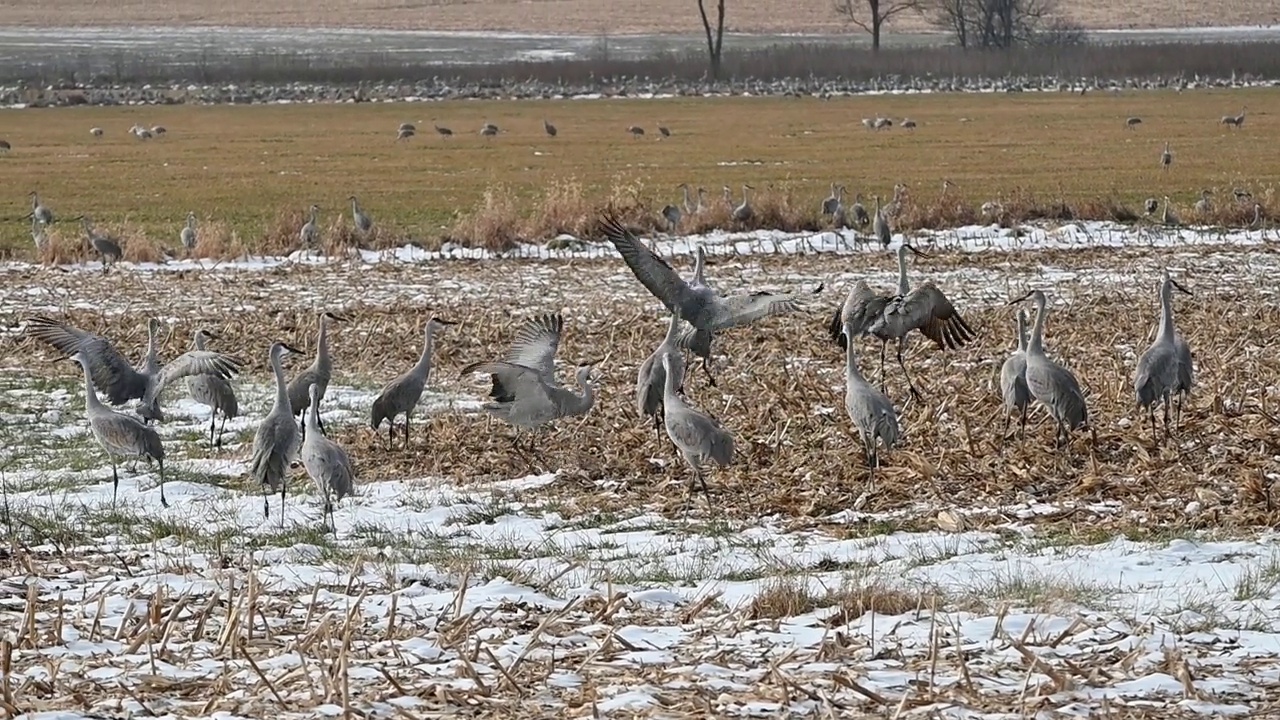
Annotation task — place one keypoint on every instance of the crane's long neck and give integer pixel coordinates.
(700, 266)
(152, 360)
(1036, 345)
(588, 397)
(91, 401)
(903, 286)
(282, 388)
(688, 201)
(670, 385)
(35, 201)
(1166, 312)
(673, 329)
(745, 190)
(322, 344)
(424, 362)
(1022, 332)
(355, 206)
(313, 417)
(851, 370)
(199, 341)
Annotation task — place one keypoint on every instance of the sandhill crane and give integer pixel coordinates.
(883, 123)
(880, 226)
(404, 134)
(1051, 384)
(744, 212)
(872, 413)
(364, 225)
(728, 198)
(401, 395)
(888, 316)
(635, 130)
(95, 131)
(833, 201)
(525, 391)
(1132, 123)
(687, 204)
(188, 234)
(406, 126)
(1013, 381)
(310, 232)
(1165, 369)
(1204, 205)
(869, 123)
(549, 128)
(443, 131)
(107, 248)
(158, 130)
(1168, 217)
(142, 133)
(118, 434)
(319, 372)
(700, 438)
(1241, 195)
(664, 131)
(894, 206)
(671, 213)
(39, 236)
(700, 306)
(1166, 157)
(5, 146)
(38, 210)
(908, 124)
(652, 376)
(1235, 121)
(488, 131)
(276, 442)
(859, 213)
(214, 391)
(325, 461)
(1151, 205)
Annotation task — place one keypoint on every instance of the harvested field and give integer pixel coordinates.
(1119, 576)
(590, 17)
(249, 173)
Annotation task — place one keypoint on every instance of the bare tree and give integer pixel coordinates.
(714, 45)
(871, 15)
(995, 24)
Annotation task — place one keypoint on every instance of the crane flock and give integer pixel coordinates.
(526, 394)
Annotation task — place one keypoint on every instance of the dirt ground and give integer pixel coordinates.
(591, 17)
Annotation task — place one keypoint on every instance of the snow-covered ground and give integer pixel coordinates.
(441, 594)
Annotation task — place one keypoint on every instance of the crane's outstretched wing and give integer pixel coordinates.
(742, 310)
(112, 374)
(652, 271)
(928, 309)
(194, 362)
(510, 381)
(536, 343)
(862, 308)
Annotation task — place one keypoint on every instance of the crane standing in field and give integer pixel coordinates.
(327, 464)
(880, 226)
(276, 443)
(699, 437)
(107, 248)
(39, 211)
(1013, 381)
(872, 413)
(1166, 157)
(549, 128)
(1165, 369)
(319, 372)
(652, 377)
(744, 212)
(214, 391)
(888, 316)
(310, 232)
(188, 234)
(364, 225)
(118, 434)
(1051, 384)
(402, 394)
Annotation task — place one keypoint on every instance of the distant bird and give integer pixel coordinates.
(908, 124)
(407, 127)
(672, 214)
(744, 212)
(319, 372)
(700, 305)
(1168, 217)
(664, 131)
(488, 130)
(887, 316)
(120, 435)
(5, 146)
(833, 201)
(549, 128)
(38, 210)
(95, 131)
(106, 247)
(188, 234)
(652, 377)
(1133, 123)
(443, 131)
(401, 395)
(1235, 121)
(636, 131)
(404, 134)
(276, 442)
(1051, 384)
(525, 391)
(39, 236)
(883, 123)
(869, 123)
(1204, 205)
(310, 232)
(114, 376)
(880, 226)
(326, 462)
(1150, 206)
(859, 213)
(872, 413)
(700, 438)
(1013, 381)
(364, 225)
(213, 391)
(158, 130)
(1165, 369)
(1166, 157)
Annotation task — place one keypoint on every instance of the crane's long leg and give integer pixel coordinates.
(884, 346)
(406, 430)
(1022, 432)
(1151, 412)
(163, 502)
(1167, 400)
(222, 429)
(266, 500)
(115, 483)
(213, 417)
(284, 488)
(1004, 434)
(914, 393)
(706, 367)
(1177, 423)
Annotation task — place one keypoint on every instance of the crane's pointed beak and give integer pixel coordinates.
(919, 253)
(1181, 289)
(291, 348)
(1017, 300)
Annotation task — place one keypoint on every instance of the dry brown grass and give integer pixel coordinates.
(591, 17)
(256, 169)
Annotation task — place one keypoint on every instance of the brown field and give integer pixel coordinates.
(250, 172)
(591, 17)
